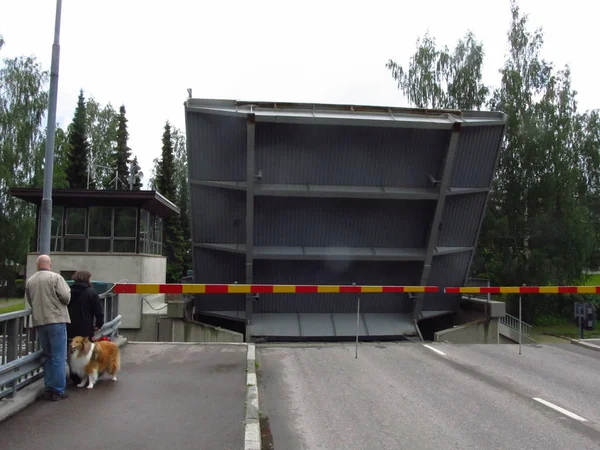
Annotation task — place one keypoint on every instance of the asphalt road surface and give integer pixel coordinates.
(408, 396)
(166, 397)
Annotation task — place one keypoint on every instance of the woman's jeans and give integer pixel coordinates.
(53, 339)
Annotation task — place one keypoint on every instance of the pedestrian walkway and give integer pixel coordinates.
(168, 396)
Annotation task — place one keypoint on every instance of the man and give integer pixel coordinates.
(48, 294)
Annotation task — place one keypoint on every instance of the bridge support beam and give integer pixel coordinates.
(444, 184)
(250, 175)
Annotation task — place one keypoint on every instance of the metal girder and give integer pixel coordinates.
(250, 163)
(445, 175)
(487, 198)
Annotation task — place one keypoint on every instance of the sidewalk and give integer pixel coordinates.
(180, 396)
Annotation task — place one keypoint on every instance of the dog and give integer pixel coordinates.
(89, 359)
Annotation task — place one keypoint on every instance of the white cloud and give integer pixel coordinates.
(146, 54)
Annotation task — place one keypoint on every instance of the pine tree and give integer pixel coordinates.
(172, 235)
(135, 169)
(77, 164)
(184, 208)
(122, 153)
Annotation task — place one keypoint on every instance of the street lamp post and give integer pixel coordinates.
(49, 155)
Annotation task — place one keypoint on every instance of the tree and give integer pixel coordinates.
(23, 103)
(537, 229)
(166, 185)
(61, 152)
(77, 166)
(438, 79)
(101, 123)
(183, 195)
(122, 153)
(136, 170)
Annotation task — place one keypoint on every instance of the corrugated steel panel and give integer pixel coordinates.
(220, 215)
(334, 272)
(447, 270)
(476, 156)
(314, 222)
(345, 114)
(216, 147)
(331, 324)
(460, 220)
(214, 267)
(335, 146)
(357, 156)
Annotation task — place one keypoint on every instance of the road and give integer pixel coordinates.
(408, 396)
(168, 396)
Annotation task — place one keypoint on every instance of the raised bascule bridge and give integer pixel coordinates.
(315, 194)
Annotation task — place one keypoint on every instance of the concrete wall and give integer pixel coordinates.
(164, 329)
(479, 332)
(186, 331)
(150, 325)
(113, 267)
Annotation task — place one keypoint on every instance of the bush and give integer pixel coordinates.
(19, 288)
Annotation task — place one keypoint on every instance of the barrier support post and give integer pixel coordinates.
(357, 322)
(520, 324)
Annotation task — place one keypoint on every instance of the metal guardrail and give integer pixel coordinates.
(513, 323)
(20, 353)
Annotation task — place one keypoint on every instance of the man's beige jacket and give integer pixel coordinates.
(48, 294)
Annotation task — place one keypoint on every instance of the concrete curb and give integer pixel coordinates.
(586, 345)
(578, 342)
(243, 344)
(28, 395)
(252, 439)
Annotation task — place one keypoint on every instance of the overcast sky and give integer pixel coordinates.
(145, 54)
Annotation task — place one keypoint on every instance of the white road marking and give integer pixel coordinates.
(252, 438)
(559, 409)
(434, 349)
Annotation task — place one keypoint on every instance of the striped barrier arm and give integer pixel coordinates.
(524, 290)
(146, 288)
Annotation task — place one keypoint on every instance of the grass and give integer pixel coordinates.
(569, 330)
(593, 280)
(11, 305)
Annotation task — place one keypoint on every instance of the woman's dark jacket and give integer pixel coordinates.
(83, 308)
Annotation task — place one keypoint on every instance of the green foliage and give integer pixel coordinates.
(542, 225)
(182, 197)
(166, 184)
(61, 152)
(12, 308)
(137, 182)
(438, 78)
(23, 102)
(101, 125)
(77, 164)
(122, 153)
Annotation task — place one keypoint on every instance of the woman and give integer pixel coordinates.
(84, 307)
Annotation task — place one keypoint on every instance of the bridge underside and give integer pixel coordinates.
(336, 194)
(290, 326)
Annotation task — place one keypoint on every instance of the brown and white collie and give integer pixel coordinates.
(88, 359)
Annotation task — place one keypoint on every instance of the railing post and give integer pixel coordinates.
(12, 338)
(12, 348)
(116, 305)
